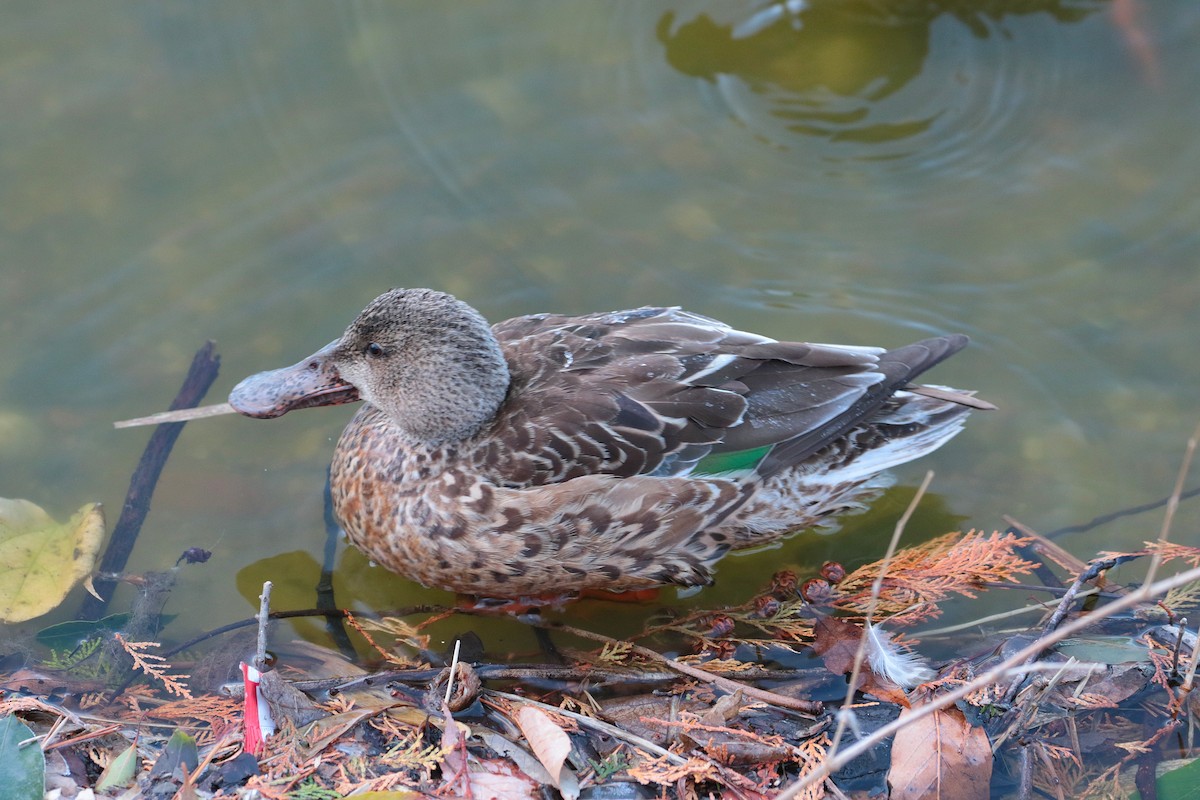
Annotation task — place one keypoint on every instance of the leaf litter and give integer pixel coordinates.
(1073, 728)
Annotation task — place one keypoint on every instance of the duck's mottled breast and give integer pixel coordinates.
(408, 507)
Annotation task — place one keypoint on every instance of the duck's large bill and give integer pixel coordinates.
(306, 384)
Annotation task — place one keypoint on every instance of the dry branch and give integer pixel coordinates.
(200, 377)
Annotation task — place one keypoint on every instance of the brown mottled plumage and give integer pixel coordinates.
(608, 451)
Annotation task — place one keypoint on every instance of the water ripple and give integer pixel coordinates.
(850, 88)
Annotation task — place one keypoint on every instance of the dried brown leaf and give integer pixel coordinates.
(940, 755)
(505, 783)
(215, 710)
(549, 742)
(468, 776)
(640, 714)
(837, 642)
(325, 731)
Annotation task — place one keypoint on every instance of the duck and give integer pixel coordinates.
(608, 452)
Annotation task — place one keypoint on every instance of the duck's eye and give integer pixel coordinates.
(374, 350)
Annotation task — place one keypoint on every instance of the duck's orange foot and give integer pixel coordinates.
(627, 596)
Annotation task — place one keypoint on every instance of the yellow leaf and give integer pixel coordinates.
(42, 560)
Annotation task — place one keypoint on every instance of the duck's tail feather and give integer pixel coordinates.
(962, 398)
(899, 367)
(908, 427)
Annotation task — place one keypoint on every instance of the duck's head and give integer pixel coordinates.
(425, 359)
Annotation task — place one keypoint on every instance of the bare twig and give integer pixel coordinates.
(1112, 516)
(876, 590)
(200, 377)
(1025, 779)
(1189, 674)
(1016, 612)
(293, 614)
(794, 703)
(263, 617)
(178, 415)
(1092, 572)
(1173, 503)
(596, 725)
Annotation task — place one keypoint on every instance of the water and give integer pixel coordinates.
(859, 172)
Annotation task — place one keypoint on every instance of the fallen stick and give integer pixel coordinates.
(200, 377)
(729, 685)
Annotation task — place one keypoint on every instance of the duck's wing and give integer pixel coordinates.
(661, 391)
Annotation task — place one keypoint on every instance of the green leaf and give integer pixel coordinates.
(179, 755)
(41, 560)
(74, 632)
(121, 770)
(66, 636)
(22, 769)
(1180, 784)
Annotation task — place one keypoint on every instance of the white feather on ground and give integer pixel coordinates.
(889, 660)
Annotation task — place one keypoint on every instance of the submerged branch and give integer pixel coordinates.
(774, 698)
(200, 377)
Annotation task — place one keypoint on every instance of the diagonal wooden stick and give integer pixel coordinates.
(141, 485)
(177, 415)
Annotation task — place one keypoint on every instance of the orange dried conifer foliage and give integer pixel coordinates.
(921, 576)
(664, 771)
(287, 765)
(812, 753)
(719, 666)
(1089, 700)
(1162, 659)
(154, 665)
(1171, 551)
(204, 716)
(133, 697)
(696, 770)
(690, 723)
(211, 709)
(404, 636)
(1168, 550)
(918, 578)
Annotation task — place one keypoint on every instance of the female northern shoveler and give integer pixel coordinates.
(619, 451)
